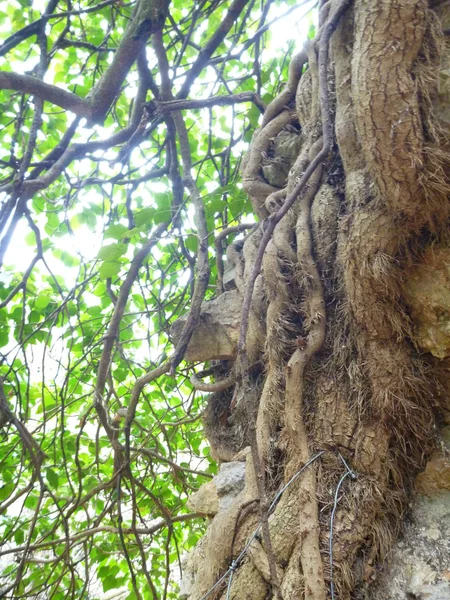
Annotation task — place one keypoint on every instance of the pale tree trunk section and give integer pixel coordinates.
(348, 354)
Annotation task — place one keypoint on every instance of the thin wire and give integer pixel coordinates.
(224, 576)
(234, 565)
(233, 569)
(305, 466)
(348, 473)
(352, 474)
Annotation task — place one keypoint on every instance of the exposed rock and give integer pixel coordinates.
(427, 293)
(217, 332)
(205, 500)
(436, 476)
(287, 145)
(219, 493)
(276, 172)
(229, 482)
(418, 566)
(229, 277)
(211, 555)
(216, 495)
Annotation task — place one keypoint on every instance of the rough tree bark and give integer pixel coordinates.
(338, 358)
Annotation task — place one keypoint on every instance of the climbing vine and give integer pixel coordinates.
(205, 241)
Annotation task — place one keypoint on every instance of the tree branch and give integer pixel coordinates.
(230, 19)
(37, 456)
(150, 17)
(160, 524)
(156, 108)
(19, 36)
(113, 329)
(50, 93)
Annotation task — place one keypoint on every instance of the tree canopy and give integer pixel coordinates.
(122, 130)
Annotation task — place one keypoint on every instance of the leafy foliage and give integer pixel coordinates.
(81, 203)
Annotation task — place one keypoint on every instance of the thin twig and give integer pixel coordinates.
(157, 108)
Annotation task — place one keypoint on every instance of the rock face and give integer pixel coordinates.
(219, 493)
(436, 477)
(216, 335)
(418, 568)
(229, 482)
(214, 496)
(284, 150)
(205, 500)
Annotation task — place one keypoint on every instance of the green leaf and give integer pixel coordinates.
(19, 536)
(191, 242)
(42, 301)
(116, 231)
(30, 239)
(109, 269)
(4, 336)
(253, 116)
(112, 252)
(144, 217)
(216, 204)
(52, 478)
(31, 502)
(6, 490)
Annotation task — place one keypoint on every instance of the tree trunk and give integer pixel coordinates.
(340, 370)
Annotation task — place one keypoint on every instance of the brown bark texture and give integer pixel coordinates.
(332, 370)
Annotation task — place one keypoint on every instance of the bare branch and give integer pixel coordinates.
(218, 386)
(113, 329)
(160, 524)
(50, 93)
(156, 108)
(205, 54)
(149, 18)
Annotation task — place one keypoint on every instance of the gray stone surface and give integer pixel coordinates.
(418, 568)
(217, 332)
(229, 482)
